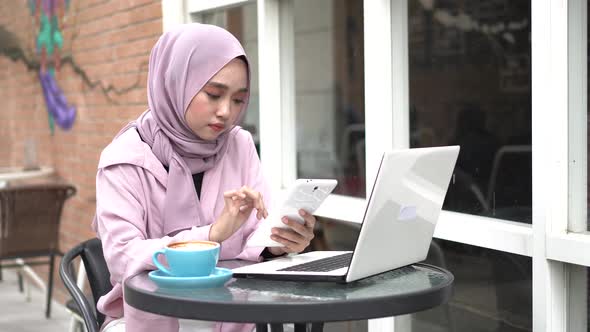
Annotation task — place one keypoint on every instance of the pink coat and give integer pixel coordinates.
(129, 203)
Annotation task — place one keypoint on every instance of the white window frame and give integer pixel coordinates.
(556, 241)
(195, 6)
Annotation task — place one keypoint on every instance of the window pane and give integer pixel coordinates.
(329, 85)
(578, 312)
(492, 291)
(242, 23)
(470, 84)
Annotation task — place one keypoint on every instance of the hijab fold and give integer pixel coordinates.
(183, 60)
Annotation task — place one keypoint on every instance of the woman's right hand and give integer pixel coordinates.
(239, 204)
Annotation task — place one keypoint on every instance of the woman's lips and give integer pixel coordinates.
(216, 127)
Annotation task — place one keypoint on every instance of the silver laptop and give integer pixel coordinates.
(397, 227)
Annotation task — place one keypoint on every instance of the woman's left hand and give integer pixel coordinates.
(296, 238)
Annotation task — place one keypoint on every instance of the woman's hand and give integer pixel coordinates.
(239, 204)
(296, 238)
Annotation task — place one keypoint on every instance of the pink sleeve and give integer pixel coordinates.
(256, 181)
(121, 223)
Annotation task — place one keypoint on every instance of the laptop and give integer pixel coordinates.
(397, 228)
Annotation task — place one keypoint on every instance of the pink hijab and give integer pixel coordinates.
(183, 60)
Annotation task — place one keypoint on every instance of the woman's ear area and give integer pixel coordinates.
(189, 106)
(245, 61)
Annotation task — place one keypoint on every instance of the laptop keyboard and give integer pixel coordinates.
(323, 265)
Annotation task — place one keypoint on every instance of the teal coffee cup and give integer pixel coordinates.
(188, 259)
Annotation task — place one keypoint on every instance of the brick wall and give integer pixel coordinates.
(106, 44)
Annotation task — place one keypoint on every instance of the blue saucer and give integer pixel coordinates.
(216, 279)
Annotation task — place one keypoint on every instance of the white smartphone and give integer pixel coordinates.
(306, 194)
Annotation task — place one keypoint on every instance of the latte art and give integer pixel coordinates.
(191, 245)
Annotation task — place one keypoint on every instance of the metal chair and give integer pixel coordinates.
(98, 278)
(511, 176)
(76, 319)
(29, 226)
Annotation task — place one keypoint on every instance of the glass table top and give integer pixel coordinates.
(404, 281)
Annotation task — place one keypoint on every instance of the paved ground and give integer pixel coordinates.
(19, 315)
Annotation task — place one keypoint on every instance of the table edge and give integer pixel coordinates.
(341, 310)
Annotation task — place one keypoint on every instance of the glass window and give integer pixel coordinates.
(329, 87)
(242, 23)
(578, 309)
(492, 291)
(470, 84)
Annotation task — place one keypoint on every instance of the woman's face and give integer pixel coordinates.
(216, 107)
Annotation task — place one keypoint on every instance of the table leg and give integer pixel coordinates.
(276, 327)
(300, 327)
(317, 327)
(312, 327)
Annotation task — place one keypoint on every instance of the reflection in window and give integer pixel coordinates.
(470, 84)
(242, 23)
(329, 86)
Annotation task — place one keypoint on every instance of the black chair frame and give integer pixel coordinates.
(90, 252)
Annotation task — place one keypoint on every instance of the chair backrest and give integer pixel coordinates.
(98, 279)
(30, 217)
(511, 177)
(465, 194)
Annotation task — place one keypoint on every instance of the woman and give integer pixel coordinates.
(183, 170)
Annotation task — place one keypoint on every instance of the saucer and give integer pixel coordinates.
(216, 279)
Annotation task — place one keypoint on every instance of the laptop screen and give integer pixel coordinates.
(402, 210)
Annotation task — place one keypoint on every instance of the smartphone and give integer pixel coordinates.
(306, 194)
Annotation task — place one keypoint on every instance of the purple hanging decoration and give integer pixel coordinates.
(55, 100)
(49, 42)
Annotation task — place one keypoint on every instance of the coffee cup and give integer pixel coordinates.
(188, 258)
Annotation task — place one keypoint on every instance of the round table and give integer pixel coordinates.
(402, 291)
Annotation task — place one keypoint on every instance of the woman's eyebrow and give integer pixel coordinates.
(225, 87)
